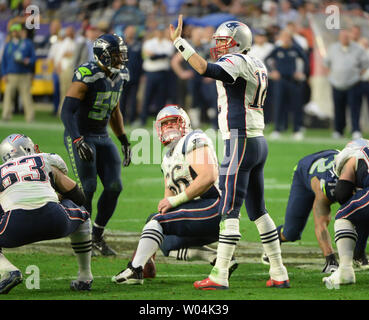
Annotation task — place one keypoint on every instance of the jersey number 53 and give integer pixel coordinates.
(33, 172)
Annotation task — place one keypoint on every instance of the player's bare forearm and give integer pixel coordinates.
(199, 186)
(206, 170)
(116, 122)
(62, 182)
(322, 217)
(198, 63)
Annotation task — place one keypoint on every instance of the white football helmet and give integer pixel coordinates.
(238, 36)
(352, 149)
(17, 145)
(169, 132)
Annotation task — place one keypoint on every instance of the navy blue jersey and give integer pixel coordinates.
(101, 98)
(320, 165)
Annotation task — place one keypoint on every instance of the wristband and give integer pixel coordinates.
(177, 200)
(184, 48)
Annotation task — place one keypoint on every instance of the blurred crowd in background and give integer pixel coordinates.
(318, 72)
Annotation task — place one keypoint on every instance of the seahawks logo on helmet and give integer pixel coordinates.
(101, 43)
(111, 52)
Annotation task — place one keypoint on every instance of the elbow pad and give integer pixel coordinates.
(76, 195)
(344, 191)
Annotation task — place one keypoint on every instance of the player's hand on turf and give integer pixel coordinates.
(84, 150)
(126, 150)
(164, 206)
(175, 33)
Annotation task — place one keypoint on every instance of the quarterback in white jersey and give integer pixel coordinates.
(240, 105)
(188, 215)
(30, 209)
(242, 87)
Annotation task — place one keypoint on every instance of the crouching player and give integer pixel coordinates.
(352, 192)
(189, 209)
(31, 210)
(312, 189)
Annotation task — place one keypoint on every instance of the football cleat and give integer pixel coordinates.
(361, 263)
(77, 285)
(340, 276)
(9, 280)
(149, 269)
(232, 266)
(130, 275)
(265, 259)
(278, 284)
(208, 284)
(100, 245)
(330, 267)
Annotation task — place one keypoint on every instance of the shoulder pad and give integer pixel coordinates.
(55, 160)
(124, 74)
(195, 139)
(88, 72)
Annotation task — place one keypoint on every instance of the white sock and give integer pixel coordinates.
(189, 254)
(272, 248)
(229, 235)
(81, 243)
(5, 264)
(345, 237)
(151, 239)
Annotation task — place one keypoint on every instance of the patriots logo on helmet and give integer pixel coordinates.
(232, 25)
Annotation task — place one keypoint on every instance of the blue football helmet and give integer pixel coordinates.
(111, 52)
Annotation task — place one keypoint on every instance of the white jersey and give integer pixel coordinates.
(240, 104)
(356, 148)
(178, 172)
(25, 181)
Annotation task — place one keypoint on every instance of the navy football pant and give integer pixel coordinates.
(107, 165)
(357, 211)
(52, 221)
(300, 203)
(192, 224)
(242, 177)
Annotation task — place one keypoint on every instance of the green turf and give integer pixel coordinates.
(143, 188)
(174, 282)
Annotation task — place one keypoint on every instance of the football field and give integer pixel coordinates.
(55, 264)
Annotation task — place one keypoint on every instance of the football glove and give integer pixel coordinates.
(126, 149)
(84, 150)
